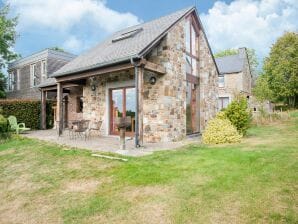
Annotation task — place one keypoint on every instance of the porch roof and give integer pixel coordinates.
(123, 45)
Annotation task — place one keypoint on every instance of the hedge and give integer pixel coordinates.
(27, 111)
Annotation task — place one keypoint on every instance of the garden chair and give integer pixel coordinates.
(15, 126)
(95, 126)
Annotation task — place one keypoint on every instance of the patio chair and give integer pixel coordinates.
(80, 129)
(95, 126)
(15, 126)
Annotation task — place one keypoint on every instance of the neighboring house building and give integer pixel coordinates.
(234, 77)
(161, 74)
(25, 74)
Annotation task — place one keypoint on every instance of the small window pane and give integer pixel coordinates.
(194, 67)
(193, 41)
(188, 64)
(187, 36)
(221, 81)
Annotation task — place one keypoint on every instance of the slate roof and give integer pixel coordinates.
(109, 52)
(230, 64)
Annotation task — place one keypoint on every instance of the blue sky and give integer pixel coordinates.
(77, 25)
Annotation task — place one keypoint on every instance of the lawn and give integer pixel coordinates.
(255, 181)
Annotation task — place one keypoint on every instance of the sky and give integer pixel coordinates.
(77, 25)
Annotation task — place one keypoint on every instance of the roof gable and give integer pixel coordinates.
(109, 52)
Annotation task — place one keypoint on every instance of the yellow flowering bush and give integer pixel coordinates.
(220, 131)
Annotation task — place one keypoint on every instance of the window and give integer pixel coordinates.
(18, 79)
(43, 69)
(10, 86)
(221, 81)
(191, 48)
(33, 75)
(127, 35)
(79, 104)
(223, 102)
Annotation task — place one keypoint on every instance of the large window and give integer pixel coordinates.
(18, 79)
(33, 75)
(191, 48)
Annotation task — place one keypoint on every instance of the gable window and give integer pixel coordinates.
(221, 81)
(191, 48)
(33, 75)
(43, 69)
(18, 79)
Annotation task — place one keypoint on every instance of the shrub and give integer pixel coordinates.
(4, 130)
(220, 131)
(26, 111)
(239, 114)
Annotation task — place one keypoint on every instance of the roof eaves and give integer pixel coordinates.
(95, 66)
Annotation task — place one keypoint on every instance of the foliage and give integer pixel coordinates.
(221, 115)
(239, 114)
(226, 52)
(281, 69)
(220, 131)
(7, 40)
(27, 111)
(57, 49)
(261, 89)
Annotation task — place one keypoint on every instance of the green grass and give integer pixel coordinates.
(251, 182)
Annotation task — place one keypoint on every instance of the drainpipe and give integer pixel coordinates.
(137, 143)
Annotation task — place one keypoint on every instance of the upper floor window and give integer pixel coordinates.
(18, 79)
(191, 48)
(44, 69)
(221, 81)
(10, 84)
(33, 75)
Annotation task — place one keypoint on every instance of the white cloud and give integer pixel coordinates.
(249, 23)
(64, 15)
(73, 44)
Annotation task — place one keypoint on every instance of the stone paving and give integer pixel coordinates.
(107, 144)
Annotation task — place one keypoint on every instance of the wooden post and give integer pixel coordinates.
(43, 110)
(140, 107)
(59, 108)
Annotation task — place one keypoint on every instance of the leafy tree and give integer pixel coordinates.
(57, 49)
(7, 40)
(261, 89)
(281, 68)
(226, 52)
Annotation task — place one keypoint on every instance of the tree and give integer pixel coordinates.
(281, 68)
(252, 58)
(261, 89)
(57, 49)
(226, 52)
(7, 40)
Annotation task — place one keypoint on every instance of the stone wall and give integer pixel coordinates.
(165, 102)
(96, 103)
(73, 114)
(208, 83)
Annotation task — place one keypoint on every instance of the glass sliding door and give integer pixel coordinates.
(191, 105)
(122, 104)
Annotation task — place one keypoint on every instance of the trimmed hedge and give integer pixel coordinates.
(27, 111)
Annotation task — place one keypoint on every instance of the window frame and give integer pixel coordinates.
(193, 57)
(223, 83)
(33, 77)
(43, 69)
(18, 79)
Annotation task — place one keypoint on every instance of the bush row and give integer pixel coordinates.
(27, 111)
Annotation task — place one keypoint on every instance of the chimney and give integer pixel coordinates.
(242, 52)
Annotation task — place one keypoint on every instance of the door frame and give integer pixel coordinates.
(111, 131)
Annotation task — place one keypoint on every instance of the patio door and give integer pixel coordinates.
(191, 109)
(122, 104)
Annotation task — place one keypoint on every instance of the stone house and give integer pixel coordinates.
(26, 74)
(161, 74)
(234, 77)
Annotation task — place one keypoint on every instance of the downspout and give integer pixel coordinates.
(137, 143)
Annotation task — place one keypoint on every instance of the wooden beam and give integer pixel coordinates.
(43, 110)
(59, 108)
(141, 97)
(150, 66)
(99, 71)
